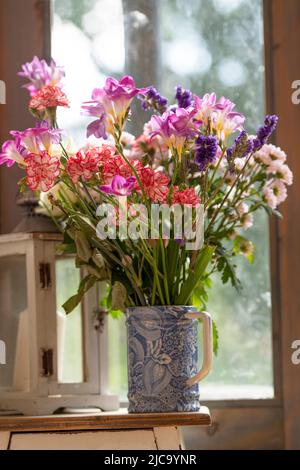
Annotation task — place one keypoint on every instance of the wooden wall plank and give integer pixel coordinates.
(17, 46)
(283, 20)
(238, 428)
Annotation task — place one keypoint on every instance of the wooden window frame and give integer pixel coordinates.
(237, 424)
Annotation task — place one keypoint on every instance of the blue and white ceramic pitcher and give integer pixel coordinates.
(163, 358)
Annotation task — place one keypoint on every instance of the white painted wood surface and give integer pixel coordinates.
(97, 440)
(4, 440)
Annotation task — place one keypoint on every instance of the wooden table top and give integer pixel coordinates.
(104, 420)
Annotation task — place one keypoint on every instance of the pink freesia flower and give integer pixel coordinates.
(155, 184)
(48, 97)
(119, 186)
(42, 171)
(186, 196)
(226, 123)
(11, 153)
(205, 107)
(28, 139)
(40, 73)
(38, 138)
(174, 127)
(118, 166)
(32, 140)
(110, 105)
(219, 116)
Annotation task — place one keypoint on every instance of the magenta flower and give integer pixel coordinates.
(110, 105)
(40, 73)
(124, 89)
(174, 127)
(11, 153)
(119, 186)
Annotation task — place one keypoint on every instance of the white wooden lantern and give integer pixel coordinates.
(52, 361)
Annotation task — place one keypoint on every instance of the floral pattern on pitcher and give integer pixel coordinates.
(163, 355)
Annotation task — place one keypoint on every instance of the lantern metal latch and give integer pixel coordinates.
(47, 362)
(45, 275)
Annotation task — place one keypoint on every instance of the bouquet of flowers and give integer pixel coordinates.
(154, 215)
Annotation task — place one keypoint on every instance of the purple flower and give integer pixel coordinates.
(123, 89)
(11, 153)
(152, 99)
(92, 108)
(184, 97)
(119, 186)
(206, 151)
(97, 128)
(174, 127)
(40, 73)
(110, 104)
(180, 242)
(265, 131)
(242, 147)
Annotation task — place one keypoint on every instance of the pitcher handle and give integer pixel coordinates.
(207, 346)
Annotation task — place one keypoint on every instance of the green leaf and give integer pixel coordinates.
(116, 314)
(229, 273)
(84, 251)
(195, 275)
(66, 248)
(215, 339)
(118, 296)
(86, 283)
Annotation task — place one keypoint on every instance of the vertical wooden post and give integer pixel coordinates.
(24, 32)
(142, 47)
(282, 44)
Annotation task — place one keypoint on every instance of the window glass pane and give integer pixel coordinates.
(14, 324)
(117, 356)
(69, 327)
(205, 46)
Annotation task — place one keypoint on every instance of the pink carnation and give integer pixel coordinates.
(86, 163)
(42, 171)
(116, 165)
(155, 184)
(48, 97)
(186, 197)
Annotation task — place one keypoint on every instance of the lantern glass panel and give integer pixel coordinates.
(69, 327)
(14, 324)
